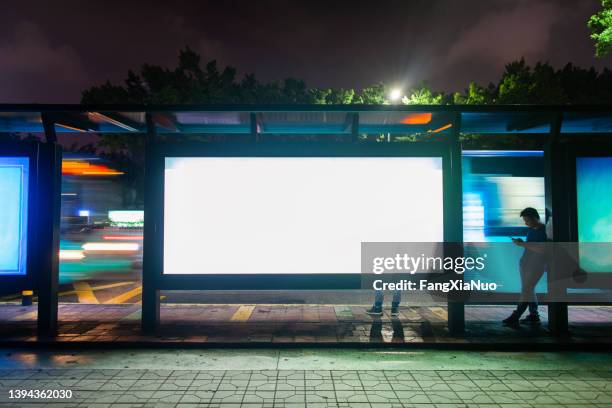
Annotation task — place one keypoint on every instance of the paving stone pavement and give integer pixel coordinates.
(313, 388)
(289, 324)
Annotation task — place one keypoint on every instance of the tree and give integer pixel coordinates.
(600, 25)
(521, 84)
(541, 84)
(422, 95)
(375, 95)
(474, 95)
(190, 83)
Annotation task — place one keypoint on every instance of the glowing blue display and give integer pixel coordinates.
(13, 215)
(593, 179)
(497, 185)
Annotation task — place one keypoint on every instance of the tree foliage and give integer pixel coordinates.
(600, 25)
(542, 84)
(191, 82)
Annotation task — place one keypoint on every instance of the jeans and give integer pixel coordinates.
(380, 296)
(530, 276)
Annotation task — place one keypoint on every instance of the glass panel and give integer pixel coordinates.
(497, 185)
(101, 230)
(506, 122)
(20, 122)
(118, 122)
(405, 122)
(213, 122)
(577, 122)
(593, 179)
(305, 122)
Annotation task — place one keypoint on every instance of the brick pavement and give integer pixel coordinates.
(102, 388)
(289, 324)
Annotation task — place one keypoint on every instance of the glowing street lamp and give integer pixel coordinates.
(395, 95)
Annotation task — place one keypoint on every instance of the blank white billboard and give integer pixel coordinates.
(294, 215)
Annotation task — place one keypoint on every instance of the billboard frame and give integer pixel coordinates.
(157, 151)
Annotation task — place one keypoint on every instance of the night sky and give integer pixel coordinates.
(51, 50)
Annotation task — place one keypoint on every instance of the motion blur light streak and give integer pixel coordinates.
(421, 118)
(71, 255)
(122, 237)
(440, 129)
(110, 246)
(76, 129)
(83, 168)
(97, 116)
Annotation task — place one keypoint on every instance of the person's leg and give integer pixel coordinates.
(397, 298)
(514, 317)
(520, 308)
(376, 309)
(522, 305)
(379, 298)
(530, 288)
(525, 292)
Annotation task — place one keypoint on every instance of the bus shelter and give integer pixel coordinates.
(401, 173)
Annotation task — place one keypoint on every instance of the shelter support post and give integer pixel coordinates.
(454, 222)
(150, 291)
(49, 185)
(555, 159)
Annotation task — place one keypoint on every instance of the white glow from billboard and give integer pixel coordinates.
(294, 215)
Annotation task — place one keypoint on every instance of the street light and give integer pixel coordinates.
(395, 95)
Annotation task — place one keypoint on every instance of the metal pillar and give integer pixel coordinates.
(253, 122)
(355, 127)
(454, 222)
(555, 159)
(150, 293)
(48, 202)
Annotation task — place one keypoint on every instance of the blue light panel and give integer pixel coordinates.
(13, 215)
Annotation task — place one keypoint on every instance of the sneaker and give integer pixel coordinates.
(394, 310)
(531, 318)
(513, 319)
(375, 311)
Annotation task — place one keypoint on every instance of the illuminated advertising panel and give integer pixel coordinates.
(294, 215)
(13, 215)
(593, 181)
(497, 186)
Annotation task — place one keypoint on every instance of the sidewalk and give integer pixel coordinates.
(313, 378)
(297, 324)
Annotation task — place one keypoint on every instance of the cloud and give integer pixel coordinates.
(504, 35)
(34, 70)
